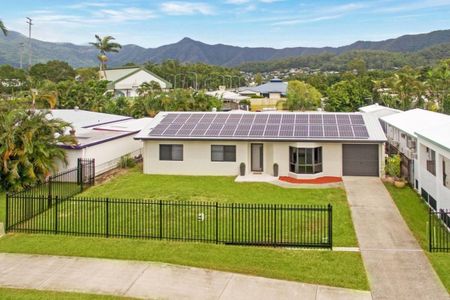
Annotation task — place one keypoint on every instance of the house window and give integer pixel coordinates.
(445, 172)
(171, 152)
(431, 161)
(223, 153)
(305, 160)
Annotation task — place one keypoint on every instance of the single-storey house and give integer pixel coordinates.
(274, 89)
(298, 144)
(422, 139)
(126, 81)
(230, 99)
(379, 111)
(103, 137)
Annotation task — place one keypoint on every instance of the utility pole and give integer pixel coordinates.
(30, 23)
(21, 55)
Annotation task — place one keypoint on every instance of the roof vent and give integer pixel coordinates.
(214, 109)
(76, 108)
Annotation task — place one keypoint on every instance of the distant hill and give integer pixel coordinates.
(188, 50)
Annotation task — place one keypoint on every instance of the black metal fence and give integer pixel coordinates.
(439, 230)
(60, 186)
(227, 223)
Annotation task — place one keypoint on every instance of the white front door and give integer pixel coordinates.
(257, 157)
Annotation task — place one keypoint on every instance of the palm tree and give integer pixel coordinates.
(104, 45)
(3, 28)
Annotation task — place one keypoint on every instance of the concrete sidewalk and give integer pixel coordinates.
(396, 265)
(152, 280)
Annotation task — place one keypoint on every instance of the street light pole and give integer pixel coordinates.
(30, 23)
(21, 55)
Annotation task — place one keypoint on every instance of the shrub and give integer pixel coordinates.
(393, 166)
(126, 161)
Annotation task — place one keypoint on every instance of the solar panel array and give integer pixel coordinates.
(260, 125)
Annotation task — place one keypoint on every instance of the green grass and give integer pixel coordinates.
(134, 184)
(17, 294)
(341, 269)
(415, 213)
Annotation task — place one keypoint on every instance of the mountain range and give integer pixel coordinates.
(188, 50)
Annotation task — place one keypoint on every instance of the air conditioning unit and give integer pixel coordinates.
(411, 144)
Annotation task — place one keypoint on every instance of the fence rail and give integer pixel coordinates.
(439, 230)
(226, 223)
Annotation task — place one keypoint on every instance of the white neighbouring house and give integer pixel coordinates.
(379, 111)
(423, 139)
(303, 145)
(103, 137)
(126, 81)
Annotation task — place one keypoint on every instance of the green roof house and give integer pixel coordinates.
(125, 81)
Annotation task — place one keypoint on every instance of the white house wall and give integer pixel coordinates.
(197, 158)
(434, 184)
(132, 82)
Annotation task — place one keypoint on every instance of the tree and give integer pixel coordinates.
(86, 74)
(438, 83)
(53, 70)
(258, 79)
(104, 45)
(357, 65)
(148, 87)
(347, 96)
(3, 28)
(302, 96)
(408, 88)
(30, 147)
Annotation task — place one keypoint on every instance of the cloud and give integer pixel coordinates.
(410, 6)
(306, 20)
(177, 8)
(126, 14)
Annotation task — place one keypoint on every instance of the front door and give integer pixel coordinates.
(257, 157)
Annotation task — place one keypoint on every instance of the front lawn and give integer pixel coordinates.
(341, 269)
(135, 184)
(415, 213)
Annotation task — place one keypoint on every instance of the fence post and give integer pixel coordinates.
(275, 225)
(330, 226)
(160, 220)
(49, 196)
(429, 230)
(217, 222)
(107, 217)
(92, 171)
(80, 174)
(7, 212)
(232, 222)
(56, 214)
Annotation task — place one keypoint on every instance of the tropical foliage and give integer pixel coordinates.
(3, 28)
(105, 45)
(29, 146)
(302, 96)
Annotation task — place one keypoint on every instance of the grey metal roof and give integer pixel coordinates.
(273, 86)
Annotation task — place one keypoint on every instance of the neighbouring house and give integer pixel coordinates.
(229, 99)
(300, 145)
(126, 81)
(422, 138)
(379, 111)
(103, 137)
(274, 89)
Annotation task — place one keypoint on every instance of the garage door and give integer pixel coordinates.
(360, 160)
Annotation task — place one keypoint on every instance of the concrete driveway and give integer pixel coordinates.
(153, 280)
(396, 265)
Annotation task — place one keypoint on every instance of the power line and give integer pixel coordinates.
(30, 23)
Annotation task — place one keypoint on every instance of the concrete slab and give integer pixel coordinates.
(396, 265)
(152, 280)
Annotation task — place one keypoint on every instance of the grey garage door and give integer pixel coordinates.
(360, 160)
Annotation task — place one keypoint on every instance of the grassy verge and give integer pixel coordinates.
(17, 294)
(134, 184)
(415, 213)
(341, 269)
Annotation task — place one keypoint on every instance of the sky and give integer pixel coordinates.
(252, 23)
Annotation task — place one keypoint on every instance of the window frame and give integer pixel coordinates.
(161, 146)
(224, 151)
(304, 160)
(431, 161)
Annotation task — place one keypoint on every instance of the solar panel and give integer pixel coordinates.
(360, 131)
(342, 119)
(263, 125)
(330, 131)
(274, 119)
(316, 131)
(288, 119)
(315, 119)
(357, 119)
(345, 131)
(301, 119)
(329, 119)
